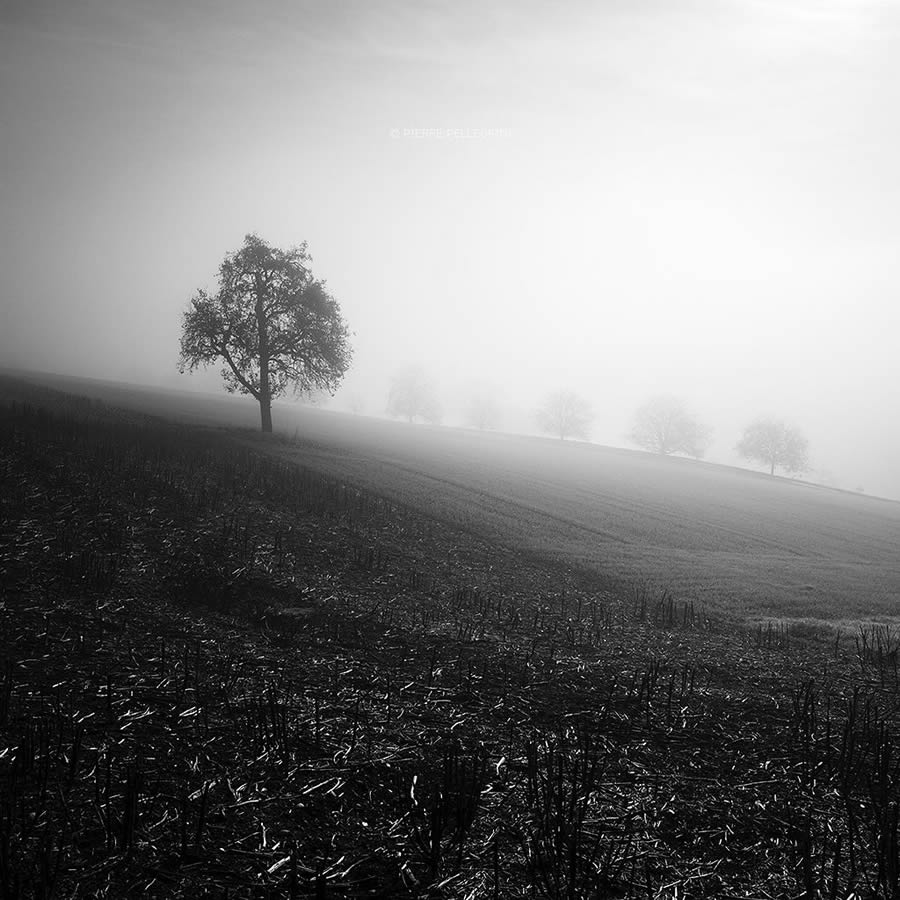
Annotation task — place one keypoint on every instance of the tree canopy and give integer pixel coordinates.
(564, 414)
(272, 324)
(663, 425)
(775, 444)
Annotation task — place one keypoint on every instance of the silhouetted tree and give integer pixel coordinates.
(564, 414)
(413, 396)
(663, 425)
(775, 444)
(271, 323)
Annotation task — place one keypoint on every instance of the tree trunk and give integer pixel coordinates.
(265, 394)
(265, 409)
(772, 468)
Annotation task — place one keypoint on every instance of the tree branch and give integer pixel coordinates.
(249, 387)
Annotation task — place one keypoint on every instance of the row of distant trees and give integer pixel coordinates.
(413, 395)
(662, 425)
(273, 326)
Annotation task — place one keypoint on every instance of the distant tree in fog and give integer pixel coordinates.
(776, 445)
(357, 403)
(413, 395)
(565, 415)
(483, 411)
(271, 323)
(663, 425)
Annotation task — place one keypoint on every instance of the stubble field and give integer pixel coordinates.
(296, 667)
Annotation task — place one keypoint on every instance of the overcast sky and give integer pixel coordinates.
(700, 198)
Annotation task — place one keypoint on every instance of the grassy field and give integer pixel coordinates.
(227, 674)
(737, 541)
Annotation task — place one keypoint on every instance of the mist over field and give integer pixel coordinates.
(691, 198)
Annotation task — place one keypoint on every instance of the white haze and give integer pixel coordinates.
(696, 198)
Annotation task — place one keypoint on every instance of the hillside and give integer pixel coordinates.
(739, 542)
(229, 675)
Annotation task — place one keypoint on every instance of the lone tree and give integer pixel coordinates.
(272, 324)
(662, 425)
(413, 396)
(564, 414)
(773, 443)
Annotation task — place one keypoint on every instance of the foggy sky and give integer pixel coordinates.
(697, 198)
